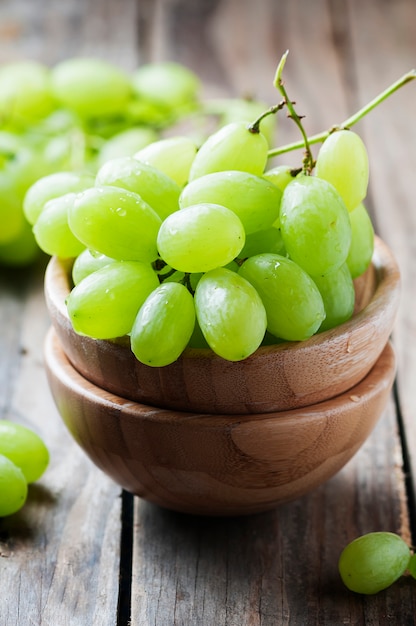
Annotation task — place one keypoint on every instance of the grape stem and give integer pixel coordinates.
(350, 121)
(308, 160)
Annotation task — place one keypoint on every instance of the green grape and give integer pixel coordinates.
(105, 303)
(337, 291)
(168, 85)
(52, 231)
(230, 314)
(362, 241)
(173, 156)
(21, 251)
(343, 161)
(255, 200)
(232, 147)
(373, 562)
(152, 185)
(197, 339)
(115, 222)
(25, 92)
(268, 240)
(280, 175)
(239, 110)
(164, 325)
(412, 565)
(88, 262)
(315, 225)
(126, 143)
(294, 306)
(24, 448)
(13, 487)
(52, 186)
(90, 87)
(200, 238)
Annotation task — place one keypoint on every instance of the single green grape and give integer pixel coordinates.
(343, 161)
(105, 303)
(173, 156)
(52, 231)
(25, 92)
(361, 248)
(201, 237)
(293, 303)
(230, 314)
(164, 325)
(126, 143)
(232, 147)
(167, 84)
(241, 109)
(90, 87)
(315, 225)
(52, 186)
(88, 262)
(280, 175)
(24, 448)
(255, 200)
(338, 294)
(13, 487)
(115, 222)
(412, 565)
(373, 562)
(153, 186)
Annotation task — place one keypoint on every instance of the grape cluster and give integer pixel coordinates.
(374, 561)
(23, 459)
(182, 246)
(77, 115)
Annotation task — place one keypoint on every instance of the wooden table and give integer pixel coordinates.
(81, 552)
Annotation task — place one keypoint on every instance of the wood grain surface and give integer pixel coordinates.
(81, 552)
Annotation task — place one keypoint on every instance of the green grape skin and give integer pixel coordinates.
(315, 225)
(373, 562)
(172, 155)
(200, 237)
(88, 262)
(52, 231)
(115, 222)
(293, 303)
(153, 186)
(338, 294)
(361, 248)
(126, 143)
(280, 175)
(90, 87)
(13, 487)
(343, 161)
(105, 303)
(164, 325)
(255, 200)
(268, 240)
(52, 186)
(25, 93)
(230, 110)
(230, 314)
(168, 85)
(197, 339)
(25, 448)
(412, 566)
(232, 147)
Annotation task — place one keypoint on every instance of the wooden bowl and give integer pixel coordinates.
(216, 464)
(275, 378)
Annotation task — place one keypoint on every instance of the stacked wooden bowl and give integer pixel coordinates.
(207, 436)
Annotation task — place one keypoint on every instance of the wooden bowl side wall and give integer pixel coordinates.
(275, 378)
(216, 464)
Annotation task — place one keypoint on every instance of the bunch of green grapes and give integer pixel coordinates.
(183, 245)
(23, 460)
(374, 561)
(75, 116)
